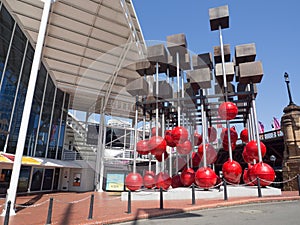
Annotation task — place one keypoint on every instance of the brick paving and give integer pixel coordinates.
(73, 208)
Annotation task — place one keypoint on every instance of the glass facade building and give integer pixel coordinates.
(47, 124)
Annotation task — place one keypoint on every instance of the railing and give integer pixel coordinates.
(271, 134)
(73, 155)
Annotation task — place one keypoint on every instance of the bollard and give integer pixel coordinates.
(129, 202)
(49, 217)
(193, 194)
(161, 200)
(298, 176)
(259, 187)
(6, 219)
(225, 190)
(91, 207)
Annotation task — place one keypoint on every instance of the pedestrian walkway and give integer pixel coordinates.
(73, 208)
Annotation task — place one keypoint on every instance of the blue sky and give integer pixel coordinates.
(271, 25)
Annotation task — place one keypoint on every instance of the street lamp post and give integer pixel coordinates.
(287, 81)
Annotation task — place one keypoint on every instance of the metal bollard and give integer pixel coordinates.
(129, 203)
(225, 190)
(258, 187)
(6, 219)
(91, 207)
(161, 200)
(298, 176)
(193, 194)
(49, 216)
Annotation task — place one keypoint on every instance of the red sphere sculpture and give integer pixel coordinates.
(181, 163)
(153, 131)
(246, 157)
(205, 177)
(179, 134)
(212, 134)
(228, 110)
(159, 158)
(211, 154)
(233, 135)
(252, 150)
(157, 145)
(149, 179)
(187, 177)
(197, 139)
(263, 171)
(196, 159)
(134, 181)
(176, 182)
(142, 147)
(169, 139)
(184, 148)
(163, 180)
(244, 135)
(246, 177)
(226, 146)
(232, 171)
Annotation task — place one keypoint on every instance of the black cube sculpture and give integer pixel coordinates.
(137, 87)
(219, 17)
(251, 72)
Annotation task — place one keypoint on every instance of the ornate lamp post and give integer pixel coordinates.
(287, 81)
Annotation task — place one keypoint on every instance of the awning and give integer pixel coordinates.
(26, 160)
(10, 158)
(88, 47)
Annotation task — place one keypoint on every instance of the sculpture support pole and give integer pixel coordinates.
(135, 134)
(225, 90)
(256, 125)
(178, 89)
(203, 116)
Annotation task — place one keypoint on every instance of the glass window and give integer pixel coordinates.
(48, 177)
(56, 178)
(55, 124)
(24, 179)
(45, 119)
(6, 24)
(10, 84)
(37, 177)
(63, 126)
(35, 111)
(17, 117)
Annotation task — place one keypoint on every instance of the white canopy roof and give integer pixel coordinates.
(90, 46)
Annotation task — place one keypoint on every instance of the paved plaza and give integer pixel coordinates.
(73, 208)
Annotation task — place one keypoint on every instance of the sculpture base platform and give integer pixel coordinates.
(186, 193)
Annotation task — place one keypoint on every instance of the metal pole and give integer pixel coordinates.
(161, 199)
(223, 64)
(225, 189)
(255, 125)
(225, 90)
(258, 187)
(298, 179)
(129, 202)
(178, 89)
(193, 194)
(91, 207)
(49, 216)
(203, 116)
(135, 134)
(6, 219)
(286, 76)
(11, 193)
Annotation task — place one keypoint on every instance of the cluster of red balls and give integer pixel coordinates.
(157, 145)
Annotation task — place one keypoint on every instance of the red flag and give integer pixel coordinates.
(261, 127)
(276, 124)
